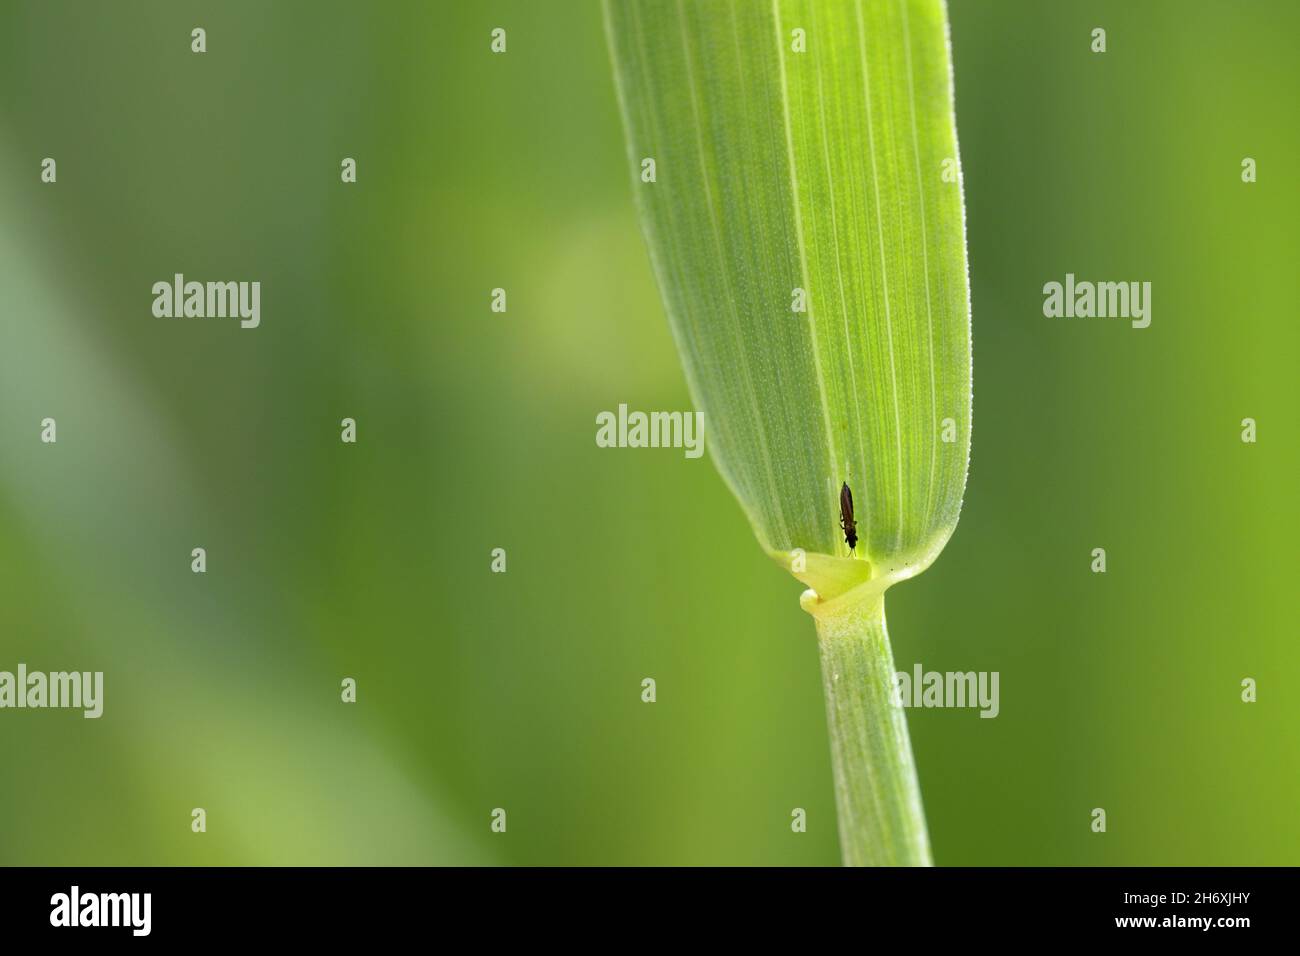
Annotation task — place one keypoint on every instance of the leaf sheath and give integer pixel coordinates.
(881, 820)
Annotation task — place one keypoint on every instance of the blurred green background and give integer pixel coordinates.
(476, 431)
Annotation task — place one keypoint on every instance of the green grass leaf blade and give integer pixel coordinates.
(833, 171)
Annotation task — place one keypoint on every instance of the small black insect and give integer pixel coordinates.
(846, 517)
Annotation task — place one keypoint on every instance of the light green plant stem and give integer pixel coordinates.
(881, 820)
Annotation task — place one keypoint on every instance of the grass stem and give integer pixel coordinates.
(881, 820)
